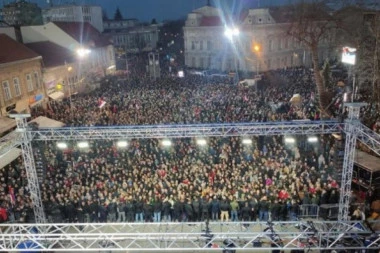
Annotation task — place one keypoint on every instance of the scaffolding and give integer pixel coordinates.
(30, 168)
(196, 236)
(70, 237)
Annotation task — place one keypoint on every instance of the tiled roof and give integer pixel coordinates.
(12, 50)
(211, 21)
(53, 55)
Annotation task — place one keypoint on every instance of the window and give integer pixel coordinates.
(286, 43)
(208, 45)
(29, 82)
(16, 84)
(7, 91)
(201, 63)
(270, 45)
(193, 62)
(37, 79)
(193, 45)
(201, 45)
(279, 44)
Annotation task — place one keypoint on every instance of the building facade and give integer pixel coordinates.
(20, 77)
(131, 36)
(75, 13)
(259, 46)
(21, 13)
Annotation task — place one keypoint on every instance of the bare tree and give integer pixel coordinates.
(312, 25)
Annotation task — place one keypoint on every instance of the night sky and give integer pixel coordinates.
(146, 10)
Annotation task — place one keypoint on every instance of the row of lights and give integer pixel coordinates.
(123, 144)
(168, 143)
(291, 140)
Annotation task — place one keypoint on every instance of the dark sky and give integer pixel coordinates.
(145, 10)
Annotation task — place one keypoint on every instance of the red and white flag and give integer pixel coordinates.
(101, 103)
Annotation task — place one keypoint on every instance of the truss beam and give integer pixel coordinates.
(183, 131)
(10, 141)
(315, 235)
(369, 138)
(31, 173)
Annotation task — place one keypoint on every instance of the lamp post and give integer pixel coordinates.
(82, 53)
(231, 33)
(256, 49)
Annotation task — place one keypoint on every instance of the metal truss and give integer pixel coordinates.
(183, 131)
(10, 141)
(369, 138)
(350, 129)
(30, 168)
(242, 236)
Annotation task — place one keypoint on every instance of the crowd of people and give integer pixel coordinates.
(224, 180)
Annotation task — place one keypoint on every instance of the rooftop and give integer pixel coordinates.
(12, 51)
(52, 54)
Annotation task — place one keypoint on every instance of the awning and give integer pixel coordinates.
(47, 122)
(57, 95)
(36, 103)
(9, 157)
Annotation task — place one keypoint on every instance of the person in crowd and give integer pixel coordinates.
(224, 210)
(234, 206)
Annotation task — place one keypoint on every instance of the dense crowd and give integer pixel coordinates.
(224, 180)
(193, 99)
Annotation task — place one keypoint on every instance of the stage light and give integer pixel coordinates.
(83, 144)
(247, 141)
(122, 144)
(201, 142)
(61, 145)
(290, 140)
(166, 143)
(312, 139)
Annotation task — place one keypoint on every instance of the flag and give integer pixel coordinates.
(101, 102)
(12, 196)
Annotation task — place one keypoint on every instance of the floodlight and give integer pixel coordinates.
(289, 140)
(61, 145)
(247, 141)
(235, 32)
(312, 139)
(122, 144)
(83, 52)
(83, 144)
(230, 32)
(201, 142)
(166, 143)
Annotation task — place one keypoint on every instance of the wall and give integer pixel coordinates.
(20, 69)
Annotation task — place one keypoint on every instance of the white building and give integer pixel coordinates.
(259, 46)
(75, 13)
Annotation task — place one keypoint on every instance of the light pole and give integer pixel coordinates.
(154, 65)
(81, 54)
(69, 69)
(231, 33)
(256, 49)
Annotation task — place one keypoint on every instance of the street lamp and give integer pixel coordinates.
(256, 49)
(69, 69)
(230, 33)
